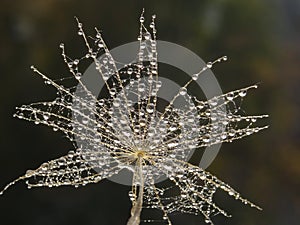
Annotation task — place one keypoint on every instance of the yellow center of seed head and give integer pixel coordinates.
(140, 154)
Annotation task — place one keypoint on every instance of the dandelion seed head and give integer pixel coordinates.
(132, 129)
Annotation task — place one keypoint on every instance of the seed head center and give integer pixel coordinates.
(140, 154)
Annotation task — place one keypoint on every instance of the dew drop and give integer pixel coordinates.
(209, 65)
(85, 120)
(207, 221)
(141, 88)
(206, 139)
(46, 117)
(195, 76)
(78, 76)
(116, 103)
(149, 110)
(230, 96)
(213, 101)
(147, 36)
(249, 132)
(105, 76)
(182, 91)
(243, 93)
(231, 133)
(129, 71)
(172, 128)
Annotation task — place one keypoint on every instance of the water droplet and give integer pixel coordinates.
(213, 101)
(78, 76)
(200, 105)
(249, 132)
(150, 110)
(172, 128)
(116, 103)
(243, 93)
(141, 88)
(182, 91)
(230, 96)
(209, 65)
(151, 132)
(62, 45)
(112, 91)
(195, 76)
(231, 133)
(105, 76)
(46, 117)
(206, 139)
(129, 71)
(85, 120)
(172, 144)
(147, 36)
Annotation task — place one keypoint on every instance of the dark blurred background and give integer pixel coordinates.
(261, 39)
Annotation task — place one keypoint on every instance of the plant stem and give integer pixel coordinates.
(137, 206)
